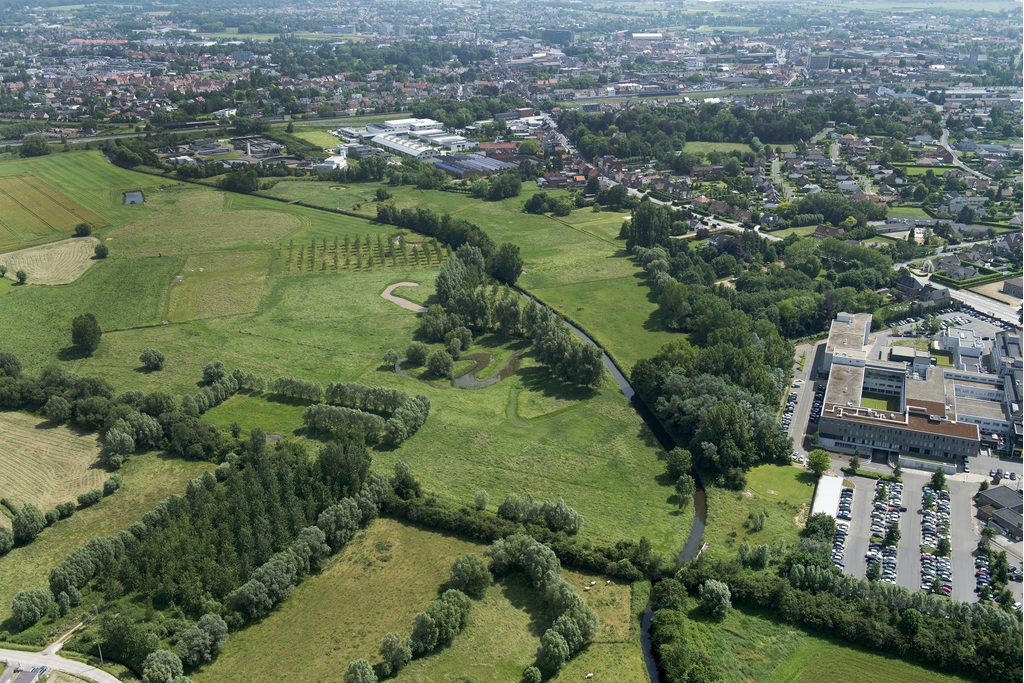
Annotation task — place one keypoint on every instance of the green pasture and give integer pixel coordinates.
(782, 491)
(576, 264)
(750, 645)
(376, 585)
(148, 479)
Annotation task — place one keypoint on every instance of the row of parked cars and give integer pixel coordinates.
(787, 414)
(934, 517)
(885, 511)
(935, 567)
(819, 401)
(982, 576)
(982, 316)
(842, 527)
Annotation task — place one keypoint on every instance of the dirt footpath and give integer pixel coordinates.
(404, 303)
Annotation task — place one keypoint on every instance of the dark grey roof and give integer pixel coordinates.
(1001, 497)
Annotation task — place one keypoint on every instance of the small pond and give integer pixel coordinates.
(133, 198)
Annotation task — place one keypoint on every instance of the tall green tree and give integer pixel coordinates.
(86, 333)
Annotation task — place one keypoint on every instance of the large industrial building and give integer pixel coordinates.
(897, 402)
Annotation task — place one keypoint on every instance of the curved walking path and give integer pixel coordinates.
(27, 660)
(404, 303)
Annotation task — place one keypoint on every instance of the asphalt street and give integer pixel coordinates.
(28, 660)
(908, 554)
(857, 540)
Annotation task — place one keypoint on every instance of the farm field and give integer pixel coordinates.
(388, 574)
(45, 464)
(57, 263)
(782, 491)
(148, 479)
(31, 212)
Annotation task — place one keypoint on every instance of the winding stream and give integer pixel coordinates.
(693, 544)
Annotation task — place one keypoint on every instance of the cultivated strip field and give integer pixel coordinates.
(45, 465)
(32, 211)
(57, 263)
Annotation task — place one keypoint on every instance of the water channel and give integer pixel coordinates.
(694, 542)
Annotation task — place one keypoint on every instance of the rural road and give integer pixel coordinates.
(16, 658)
(404, 303)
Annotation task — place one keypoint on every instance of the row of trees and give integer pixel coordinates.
(971, 639)
(235, 548)
(555, 516)
(573, 621)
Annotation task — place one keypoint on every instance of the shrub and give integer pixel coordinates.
(29, 606)
(57, 409)
(6, 540)
(27, 524)
(715, 598)
(90, 498)
(152, 359)
(111, 485)
(440, 363)
(470, 575)
(101, 251)
(83, 230)
(417, 353)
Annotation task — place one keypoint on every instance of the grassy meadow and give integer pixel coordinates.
(208, 278)
(147, 479)
(784, 492)
(575, 264)
(749, 645)
(388, 574)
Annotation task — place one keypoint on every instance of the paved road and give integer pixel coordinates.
(404, 303)
(860, 527)
(28, 660)
(965, 532)
(908, 557)
(944, 143)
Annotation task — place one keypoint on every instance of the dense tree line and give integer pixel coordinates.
(658, 132)
(555, 516)
(974, 640)
(454, 232)
(627, 560)
(234, 548)
(573, 621)
(466, 302)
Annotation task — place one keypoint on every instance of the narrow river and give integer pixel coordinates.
(700, 504)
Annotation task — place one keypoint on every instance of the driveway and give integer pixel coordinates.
(27, 660)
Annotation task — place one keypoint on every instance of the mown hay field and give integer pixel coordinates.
(57, 263)
(45, 464)
(32, 211)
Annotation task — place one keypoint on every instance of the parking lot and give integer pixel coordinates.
(916, 529)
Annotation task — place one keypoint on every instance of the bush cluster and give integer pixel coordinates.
(555, 516)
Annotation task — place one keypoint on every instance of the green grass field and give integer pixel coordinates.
(879, 402)
(376, 586)
(148, 479)
(907, 212)
(752, 646)
(782, 491)
(525, 434)
(575, 264)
